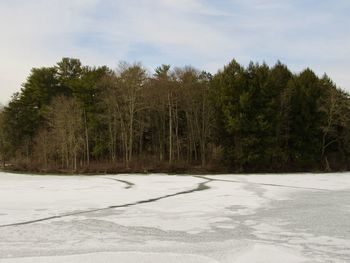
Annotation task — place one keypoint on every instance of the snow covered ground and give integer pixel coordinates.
(288, 218)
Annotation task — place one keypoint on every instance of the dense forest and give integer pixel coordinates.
(71, 117)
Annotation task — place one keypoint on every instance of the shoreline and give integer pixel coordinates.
(168, 173)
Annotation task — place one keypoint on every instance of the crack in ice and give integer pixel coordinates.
(127, 183)
(200, 187)
(266, 184)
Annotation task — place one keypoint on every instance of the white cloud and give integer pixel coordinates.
(205, 33)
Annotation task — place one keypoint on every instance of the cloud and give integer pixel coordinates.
(206, 34)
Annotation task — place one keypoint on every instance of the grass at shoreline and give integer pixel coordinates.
(145, 173)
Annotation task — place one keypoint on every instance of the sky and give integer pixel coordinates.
(202, 33)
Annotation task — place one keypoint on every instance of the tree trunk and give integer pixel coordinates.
(87, 140)
(170, 130)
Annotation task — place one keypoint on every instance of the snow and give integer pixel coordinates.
(31, 197)
(130, 257)
(259, 253)
(162, 218)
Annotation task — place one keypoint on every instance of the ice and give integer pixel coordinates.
(130, 257)
(162, 218)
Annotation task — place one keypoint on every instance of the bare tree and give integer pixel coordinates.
(67, 131)
(333, 105)
(124, 104)
(4, 145)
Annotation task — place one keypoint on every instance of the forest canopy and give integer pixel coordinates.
(71, 117)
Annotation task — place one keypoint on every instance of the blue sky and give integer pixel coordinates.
(204, 34)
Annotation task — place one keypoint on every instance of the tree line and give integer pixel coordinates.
(72, 117)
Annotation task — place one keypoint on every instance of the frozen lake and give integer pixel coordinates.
(160, 218)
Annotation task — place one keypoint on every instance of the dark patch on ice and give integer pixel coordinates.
(317, 215)
(321, 214)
